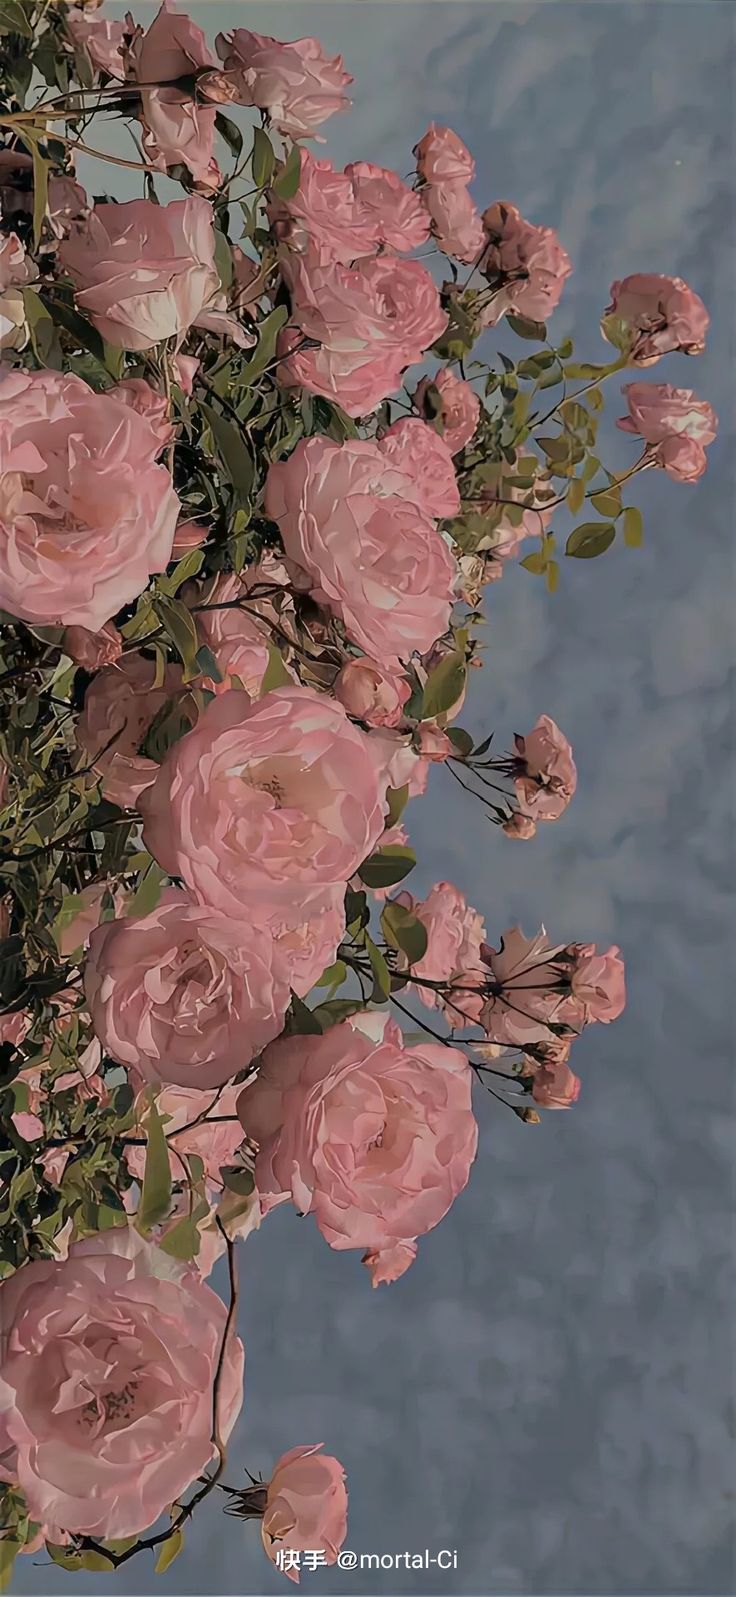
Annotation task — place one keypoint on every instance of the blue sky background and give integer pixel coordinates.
(549, 1389)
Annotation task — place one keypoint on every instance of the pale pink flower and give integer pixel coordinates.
(306, 941)
(545, 776)
(526, 264)
(119, 706)
(529, 989)
(184, 994)
(656, 315)
(459, 407)
(388, 1264)
(355, 539)
(86, 513)
(455, 218)
(598, 981)
(295, 82)
(234, 636)
(675, 423)
(28, 1125)
(15, 1025)
(431, 742)
(420, 452)
(179, 129)
(396, 209)
(16, 270)
(397, 761)
(148, 402)
(264, 805)
(555, 1086)
(107, 1365)
(455, 936)
(144, 272)
(92, 650)
(185, 368)
(248, 281)
(375, 1139)
(442, 157)
(306, 1506)
(102, 38)
(213, 1139)
(189, 535)
(371, 693)
(325, 213)
(519, 825)
(683, 458)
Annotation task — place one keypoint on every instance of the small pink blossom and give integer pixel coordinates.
(555, 1086)
(459, 407)
(92, 650)
(675, 423)
(442, 157)
(655, 315)
(598, 981)
(15, 1024)
(519, 826)
(371, 693)
(119, 706)
(431, 742)
(423, 455)
(295, 83)
(545, 776)
(455, 218)
(306, 1506)
(525, 264)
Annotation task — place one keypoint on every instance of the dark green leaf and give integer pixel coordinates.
(444, 686)
(335, 1010)
(334, 975)
(591, 538)
(223, 260)
(14, 18)
(389, 865)
(238, 1180)
(524, 327)
(381, 973)
(286, 183)
(633, 528)
(179, 625)
(232, 449)
(302, 1022)
(396, 798)
(276, 674)
(263, 159)
(156, 1192)
(461, 741)
(230, 132)
(404, 930)
(268, 332)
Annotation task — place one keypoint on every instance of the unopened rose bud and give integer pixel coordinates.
(92, 650)
(529, 1116)
(519, 825)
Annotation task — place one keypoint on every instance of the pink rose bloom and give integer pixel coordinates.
(235, 638)
(139, 394)
(184, 369)
(179, 128)
(529, 990)
(598, 981)
(460, 407)
(455, 935)
(420, 452)
(431, 742)
(28, 1126)
(355, 539)
(545, 776)
(398, 762)
(261, 806)
(184, 994)
(16, 270)
(15, 1024)
(455, 218)
(371, 320)
(306, 1506)
(675, 422)
(396, 209)
(370, 693)
(214, 1140)
(556, 1086)
(102, 38)
(295, 83)
(189, 535)
(520, 826)
(525, 263)
(92, 650)
(305, 942)
(144, 272)
(107, 1366)
(119, 707)
(388, 1264)
(86, 513)
(326, 213)
(659, 315)
(442, 157)
(374, 1139)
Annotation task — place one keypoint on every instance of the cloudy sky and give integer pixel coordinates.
(548, 1389)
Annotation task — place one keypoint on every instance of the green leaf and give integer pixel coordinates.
(552, 574)
(608, 502)
(9, 1549)
(524, 327)
(148, 891)
(264, 159)
(286, 183)
(44, 342)
(335, 1010)
(389, 865)
(536, 563)
(156, 1192)
(183, 1241)
(230, 132)
(576, 495)
(238, 1180)
(585, 369)
(302, 1022)
(13, 18)
(381, 972)
(232, 449)
(633, 528)
(185, 568)
(170, 1549)
(276, 674)
(180, 626)
(68, 1558)
(404, 930)
(32, 137)
(268, 332)
(461, 741)
(223, 260)
(591, 538)
(396, 798)
(334, 975)
(444, 686)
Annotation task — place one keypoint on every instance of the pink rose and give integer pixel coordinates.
(306, 941)
(459, 407)
(556, 1086)
(675, 422)
(455, 935)
(262, 806)
(189, 535)
(86, 513)
(396, 209)
(598, 981)
(194, 1123)
(139, 394)
(16, 270)
(370, 693)
(398, 762)
(371, 320)
(683, 459)
(375, 1139)
(306, 1506)
(388, 1264)
(184, 994)
(102, 38)
(107, 1366)
(455, 218)
(520, 826)
(527, 991)
(184, 369)
(234, 636)
(525, 265)
(179, 128)
(355, 539)
(146, 272)
(295, 83)
(15, 1024)
(431, 742)
(92, 650)
(442, 157)
(119, 707)
(326, 213)
(545, 776)
(420, 452)
(654, 315)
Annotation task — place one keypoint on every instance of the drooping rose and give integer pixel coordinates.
(102, 38)
(460, 407)
(119, 707)
(372, 1138)
(179, 128)
(455, 935)
(423, 455)
(306, 1506)
(184, 994)
(264, 805)
(233, 635)
(370, 693)
(195, 1122)
(295, 82)
(675, 422)
(545, 776)
(144, 272)
(653, 315)
(598, 981)
(396, 209)
(86, 513)
(355, 539)
(442, 157)
(93, 650)
(529, 991)
(555, 1086)
(526, 264)
(455, 218)
(16, 270)
(107, 1365)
